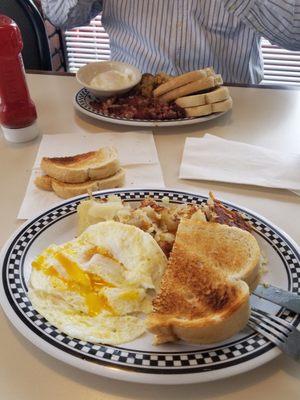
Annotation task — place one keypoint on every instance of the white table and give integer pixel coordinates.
(264, 117)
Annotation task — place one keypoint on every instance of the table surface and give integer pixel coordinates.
(266, 117)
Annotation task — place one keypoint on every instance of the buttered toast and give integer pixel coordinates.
(204, 295)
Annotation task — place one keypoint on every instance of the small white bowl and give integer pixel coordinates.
(86, 73)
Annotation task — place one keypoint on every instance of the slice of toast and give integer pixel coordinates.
(204, 297)
(191, 101)
(219, 94)
(82, 167)
(206, 109)
(44, 182)
(216, 95)
(199, 111)
(181, 80)
(192, 87)
(67, 190)
(222, 106)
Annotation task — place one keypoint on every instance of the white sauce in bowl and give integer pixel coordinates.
(111, 80)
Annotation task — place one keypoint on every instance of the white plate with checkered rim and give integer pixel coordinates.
(83, 102)
(140, 361)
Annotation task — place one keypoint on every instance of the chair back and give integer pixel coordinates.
(36, 53)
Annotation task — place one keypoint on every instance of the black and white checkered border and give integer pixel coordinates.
(232, 353)
(84, 99)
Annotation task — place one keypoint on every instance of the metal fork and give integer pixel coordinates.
(278, 331)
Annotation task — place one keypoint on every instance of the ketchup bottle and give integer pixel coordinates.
(17, 110)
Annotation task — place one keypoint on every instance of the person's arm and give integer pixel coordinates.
(276, 20)
(67, 14)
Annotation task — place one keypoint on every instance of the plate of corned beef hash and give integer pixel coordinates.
(162, 100)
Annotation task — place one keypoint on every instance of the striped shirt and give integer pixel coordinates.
(177, 36)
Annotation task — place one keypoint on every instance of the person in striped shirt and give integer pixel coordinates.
(176, 36)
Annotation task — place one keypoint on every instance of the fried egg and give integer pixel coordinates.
(99, 286)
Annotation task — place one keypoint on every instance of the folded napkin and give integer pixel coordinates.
(215, 159)
(137, 154)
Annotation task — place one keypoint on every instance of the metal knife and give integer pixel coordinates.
(279, 296)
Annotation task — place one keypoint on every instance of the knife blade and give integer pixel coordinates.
(279, 296)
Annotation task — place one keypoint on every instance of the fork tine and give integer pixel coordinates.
(284, 335)
(270, 328)
(272, 324)
(273, 317)
(264, 333)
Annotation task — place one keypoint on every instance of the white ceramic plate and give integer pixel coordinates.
(140, 361)
(83, 102)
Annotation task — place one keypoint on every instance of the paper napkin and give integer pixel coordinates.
(137, 154)
(215, 159)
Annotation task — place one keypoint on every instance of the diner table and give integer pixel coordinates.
(268, 117)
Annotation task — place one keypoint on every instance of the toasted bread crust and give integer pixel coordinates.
(215, 96)
(208, 109)
(219, 94)
(191, 101)
(44, 182)
(199, 330)
(222, 106)
(82, 167)
(67, 190)
(181, 80)
(192, 87)
(199, 111)
(70, 161)
(203, 296)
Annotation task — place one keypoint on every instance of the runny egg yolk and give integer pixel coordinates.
(99, 250)
(82, 282)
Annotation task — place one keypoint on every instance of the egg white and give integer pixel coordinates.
(135, 249)
(130, 264)
(102, 328)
